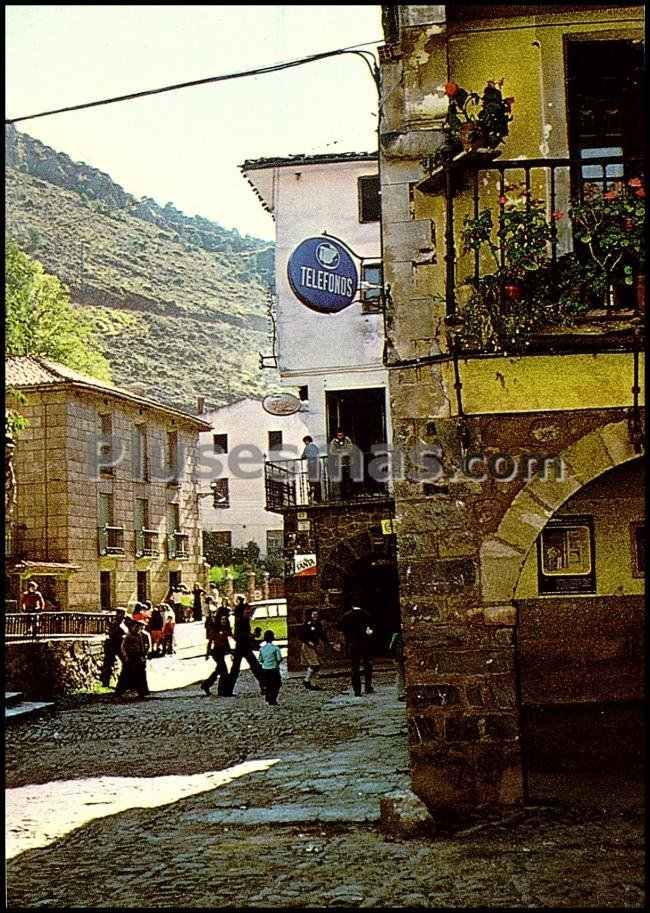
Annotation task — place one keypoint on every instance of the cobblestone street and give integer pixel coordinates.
(185, 800)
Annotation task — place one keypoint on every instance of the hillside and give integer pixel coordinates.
(180, 302)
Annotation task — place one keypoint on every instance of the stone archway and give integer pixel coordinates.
(502, 556)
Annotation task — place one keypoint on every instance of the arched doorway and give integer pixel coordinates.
(580, 654)
(372, 583)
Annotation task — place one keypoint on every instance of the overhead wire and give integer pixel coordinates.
(258, 71)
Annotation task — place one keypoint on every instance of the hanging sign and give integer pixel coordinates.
(304, 566)
(281, 404)
(323, 275)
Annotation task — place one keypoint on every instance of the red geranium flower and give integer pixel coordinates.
(557, 215)
(611, 195)
(503, 200)
(635, 182)
(639, 193)
(451, 89)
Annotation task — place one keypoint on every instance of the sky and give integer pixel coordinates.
(185, 146)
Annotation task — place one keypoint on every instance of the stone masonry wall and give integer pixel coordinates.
(340, 536)
(52, 668)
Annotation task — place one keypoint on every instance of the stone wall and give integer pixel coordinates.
(340, 536)
(52, 668)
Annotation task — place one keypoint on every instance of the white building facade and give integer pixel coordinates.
(334, 358)
(242, 436)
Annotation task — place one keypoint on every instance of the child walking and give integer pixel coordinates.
(270, 659)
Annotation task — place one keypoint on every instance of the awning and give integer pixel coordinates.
(41, 568)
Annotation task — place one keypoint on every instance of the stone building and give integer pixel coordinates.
(106, 511)
(521, 590)
(329, 345)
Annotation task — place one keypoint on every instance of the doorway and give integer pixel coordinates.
(106, 591)
(372, 583)
(174, 579)
(361, 415)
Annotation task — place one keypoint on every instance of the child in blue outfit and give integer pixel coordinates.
(270, 659)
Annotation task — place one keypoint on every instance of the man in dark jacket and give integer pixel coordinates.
(356, 625)
(117, 631)
(243, 648)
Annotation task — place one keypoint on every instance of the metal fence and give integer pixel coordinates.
(332, 479)
(45, 624)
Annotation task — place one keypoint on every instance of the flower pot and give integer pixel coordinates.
(639, 290)
(472, 136)
(513, 291)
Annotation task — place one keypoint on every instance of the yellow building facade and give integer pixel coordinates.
(521, 587)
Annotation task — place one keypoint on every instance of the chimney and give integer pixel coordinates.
(200, 405)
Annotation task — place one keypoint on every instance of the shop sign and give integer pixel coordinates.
(304, 566)
(323, 275)
(281, 404)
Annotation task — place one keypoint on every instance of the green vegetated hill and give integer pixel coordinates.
(180, 302)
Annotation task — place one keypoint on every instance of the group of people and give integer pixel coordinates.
(183, 612)
(150, 632)
(340, 451)
(219, 634)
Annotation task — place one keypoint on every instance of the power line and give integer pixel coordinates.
(272, 68)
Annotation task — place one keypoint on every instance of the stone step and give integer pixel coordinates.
(12, 698)
(27, 709)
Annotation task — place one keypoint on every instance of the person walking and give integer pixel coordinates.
(270, 659)
(155, 628)
(168, 630)
(356, 625)
(243, 647)
(219, 650)
(212, 624)
(313, 637)
(134, 651)
(117, 631)
(197, 607)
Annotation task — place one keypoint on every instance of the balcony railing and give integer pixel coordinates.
(178, 546)
(474, 185)
(147, 543)
(330, 480)
(111, 540)
(46, 624)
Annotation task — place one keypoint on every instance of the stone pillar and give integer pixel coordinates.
(229, 591)
(265, 585)
(250, 585)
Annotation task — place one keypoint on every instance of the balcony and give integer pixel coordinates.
(297, 483)
(147, 543)
(542, 255)
(111, 540)
(178, 546)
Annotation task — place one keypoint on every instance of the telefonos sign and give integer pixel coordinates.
(323, 275)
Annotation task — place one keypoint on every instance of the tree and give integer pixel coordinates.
(40, 320)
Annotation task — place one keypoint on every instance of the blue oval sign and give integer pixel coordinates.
(323, 275)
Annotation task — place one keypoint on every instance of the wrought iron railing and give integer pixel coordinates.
(556, 181)
(178, 548)
(147, 543)
(111, 540)
(332, 479)
(46, 624)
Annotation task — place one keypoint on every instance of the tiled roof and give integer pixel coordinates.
(35, 371)
(302, 159)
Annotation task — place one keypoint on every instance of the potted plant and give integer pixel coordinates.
(506, 307)
(609, 231)
(477, 122)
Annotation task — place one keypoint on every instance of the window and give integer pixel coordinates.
(274, 543)
(565, 556)
(637, 534)
(106, 444)
(140, 454)
(141, 514)
(172, 454)
(221, 493)
(223, 538)
(303, 394)
(105, 509)
(142, 585)
(369, 199)
(173, 519)
(371, 287)
(220, 443)
(275, 440)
